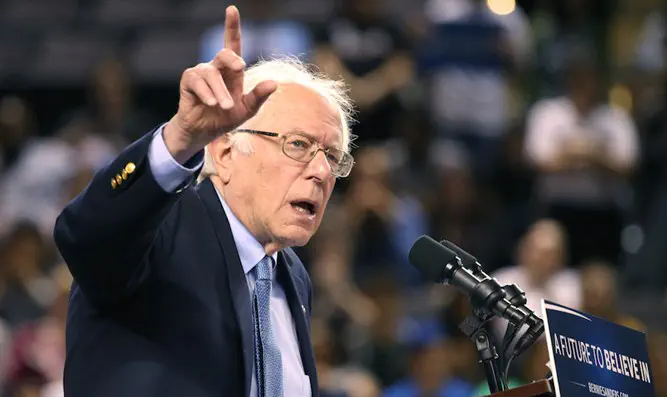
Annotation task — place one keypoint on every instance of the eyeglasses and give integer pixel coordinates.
(303, 148)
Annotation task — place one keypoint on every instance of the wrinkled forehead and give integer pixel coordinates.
(296, 108)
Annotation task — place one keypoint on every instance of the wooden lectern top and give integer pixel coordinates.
(541, 388)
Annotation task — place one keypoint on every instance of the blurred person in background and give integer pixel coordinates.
(111, 112)
(456, 310)
(384, 354)
(38, 351)
(431, 367)
(5, 353)
(17, 126)
(17, 130)
(657, 349)
(464, 360)
(336, 380)
(557, 27)
(323, 349)
(383, 221)
(650, 50)
(583, 151)
(461, 213)
(26, 290)
(646, 269)
(541, 272)
(541, 269)
(35, 186)
(78, 183)
(511, 192)
(412, 157)
(650, 64)
(347, 310)
(599, 295)
(90, 149)
(364, 47)
(467, 58)
(268, 32)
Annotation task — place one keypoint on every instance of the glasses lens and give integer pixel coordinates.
(343, 167)
(298, 147)
(303, 148)
(334, 156)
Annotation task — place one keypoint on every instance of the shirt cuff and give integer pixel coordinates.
(168, 173)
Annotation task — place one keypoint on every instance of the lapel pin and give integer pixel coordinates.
(303, 308)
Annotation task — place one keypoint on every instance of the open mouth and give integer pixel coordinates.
(305, 207)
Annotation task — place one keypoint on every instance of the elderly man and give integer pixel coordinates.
(184, 289)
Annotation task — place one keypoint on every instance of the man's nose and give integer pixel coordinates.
(319, 166)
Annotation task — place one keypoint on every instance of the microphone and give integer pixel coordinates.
(442, 265)
(467, 260)
(515, 295)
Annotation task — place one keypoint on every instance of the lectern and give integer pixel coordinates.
(542, 388)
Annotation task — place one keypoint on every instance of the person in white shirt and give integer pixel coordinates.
(583, 151)
(541, 268)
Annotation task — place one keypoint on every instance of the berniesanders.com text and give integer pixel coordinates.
(605, 391)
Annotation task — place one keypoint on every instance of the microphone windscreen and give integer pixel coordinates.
(430, 257)
(466, 258)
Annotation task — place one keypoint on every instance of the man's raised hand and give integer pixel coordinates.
(212, 99)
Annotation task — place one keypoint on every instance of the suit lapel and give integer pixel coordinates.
(291, 286)
(238, 284)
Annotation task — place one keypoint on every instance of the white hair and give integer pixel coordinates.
(292, 71)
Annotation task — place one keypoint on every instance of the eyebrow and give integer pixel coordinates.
(309, 135)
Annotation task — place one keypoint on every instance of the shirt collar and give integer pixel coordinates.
(249, 249)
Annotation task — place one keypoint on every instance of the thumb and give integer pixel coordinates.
(256, 98)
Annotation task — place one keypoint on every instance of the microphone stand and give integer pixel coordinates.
(474, 327)
(488, 300)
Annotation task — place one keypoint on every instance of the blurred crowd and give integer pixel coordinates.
(533, 134)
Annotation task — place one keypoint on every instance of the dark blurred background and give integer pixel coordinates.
(531, 133)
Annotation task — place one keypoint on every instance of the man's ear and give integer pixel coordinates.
(220, 151)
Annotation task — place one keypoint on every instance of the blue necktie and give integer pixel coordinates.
(268, 361)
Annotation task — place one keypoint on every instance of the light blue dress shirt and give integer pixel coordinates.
(169, 174)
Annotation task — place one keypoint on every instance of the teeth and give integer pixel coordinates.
(304, 208)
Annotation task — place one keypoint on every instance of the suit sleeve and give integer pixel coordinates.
(106, 233)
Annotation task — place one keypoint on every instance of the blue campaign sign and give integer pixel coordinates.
(593, 357)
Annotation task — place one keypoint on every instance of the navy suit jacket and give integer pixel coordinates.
(160, 304)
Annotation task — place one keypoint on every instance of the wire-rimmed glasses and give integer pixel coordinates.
(303, 148)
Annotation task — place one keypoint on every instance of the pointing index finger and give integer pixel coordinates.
(233, 30)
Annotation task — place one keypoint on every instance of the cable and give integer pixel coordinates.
(510, 334)
(507, 369)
